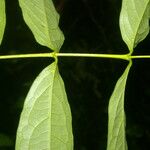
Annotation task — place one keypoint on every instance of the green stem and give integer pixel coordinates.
(125, 57)
(27, 55)
(113, 56)
(54, 55)
(140, 56)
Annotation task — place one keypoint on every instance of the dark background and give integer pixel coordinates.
(89, 26)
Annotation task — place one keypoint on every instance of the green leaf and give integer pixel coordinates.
(134, 21)
(43, 20)
(116, 115)
(2, 19)
(45, 122)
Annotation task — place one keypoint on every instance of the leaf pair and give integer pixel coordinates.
(45, 121)
(134, 25)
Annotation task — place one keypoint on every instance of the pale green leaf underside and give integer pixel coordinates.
(43, 20)
(2, 19)
(116, 115)
(134, 21)
(45, 122)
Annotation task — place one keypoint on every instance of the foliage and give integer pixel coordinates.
(51, 130)
(42, 19)
(45, 121)
(134, 25)
(116, 124)
(134, 21)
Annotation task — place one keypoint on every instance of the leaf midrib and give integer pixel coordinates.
(47, 29)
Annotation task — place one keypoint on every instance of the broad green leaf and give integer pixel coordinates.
(43, 20)
(116, 115)
(134, 21)
(45, 122)
(2, 19)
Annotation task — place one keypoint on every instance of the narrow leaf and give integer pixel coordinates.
(43, 20)
(116, 114)
(45, 122)
(134, 21)
(2, 19)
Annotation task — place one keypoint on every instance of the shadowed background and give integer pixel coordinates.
(89, 26)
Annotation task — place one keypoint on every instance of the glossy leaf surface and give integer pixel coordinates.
(43, 20)
(45, 122)
(2, 19)
(116, 115)
(134, 21)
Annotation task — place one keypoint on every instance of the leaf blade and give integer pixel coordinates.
(2, 19)
(116, 122)
(46, 118)
(43, 20)
(134, 21)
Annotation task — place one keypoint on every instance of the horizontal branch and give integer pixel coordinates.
(27, 55)
(139, 56)
(113, 56)
(53, 55)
